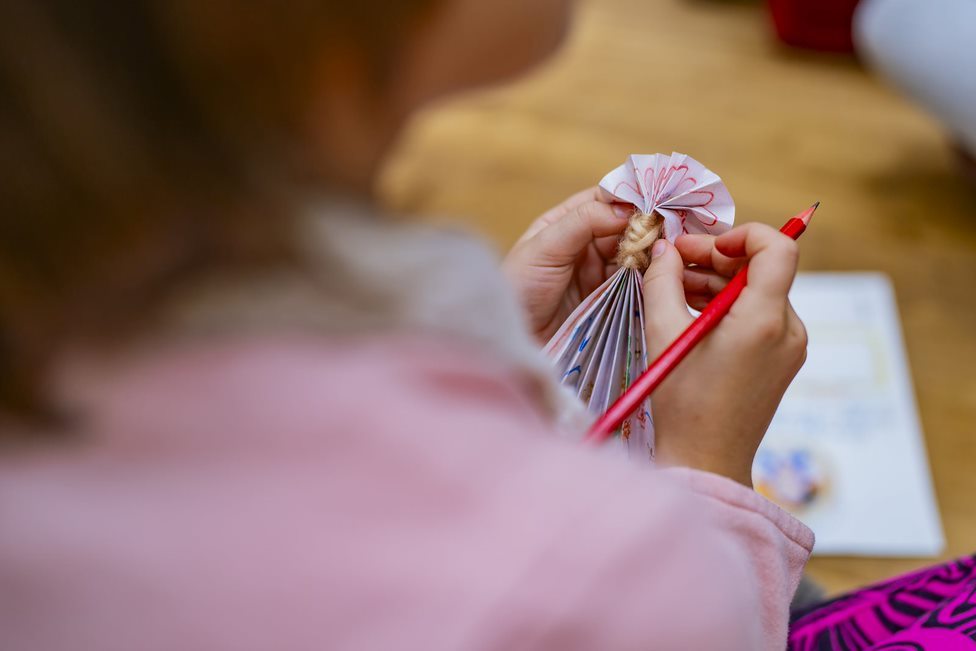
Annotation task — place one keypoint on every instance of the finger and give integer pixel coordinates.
(699, 281)
(696, 249)
(573, 202)
(602, 195)
(794, 324)
(772, 256)
(796, 338)
(698, 301)
(590, 271)
(607, 247)
(666, 312)
(595, 193)
(699, 249)
(561, 242)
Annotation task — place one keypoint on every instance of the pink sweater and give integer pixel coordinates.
(313, 493)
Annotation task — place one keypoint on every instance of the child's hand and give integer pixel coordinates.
(713, 410)
(566, 254)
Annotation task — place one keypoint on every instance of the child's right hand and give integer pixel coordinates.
(712, 412)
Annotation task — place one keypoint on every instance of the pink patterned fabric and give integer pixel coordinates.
(313, 493)
(932, 609)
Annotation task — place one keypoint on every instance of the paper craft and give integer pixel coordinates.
(600, 350)
(845, 451)
(690, 198)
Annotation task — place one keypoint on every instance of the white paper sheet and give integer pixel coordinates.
(845, 452)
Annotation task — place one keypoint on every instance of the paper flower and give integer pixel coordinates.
(689, 197)
(600, 350)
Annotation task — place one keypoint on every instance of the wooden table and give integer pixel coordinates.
(783, 129)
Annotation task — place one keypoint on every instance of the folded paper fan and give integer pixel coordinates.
(600, 350)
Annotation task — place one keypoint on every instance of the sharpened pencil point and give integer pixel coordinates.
(808, 214)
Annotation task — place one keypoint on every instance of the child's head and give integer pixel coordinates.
(342, 76)
(144, 143)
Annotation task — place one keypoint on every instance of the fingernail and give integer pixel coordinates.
(621, 210)
(659, 247)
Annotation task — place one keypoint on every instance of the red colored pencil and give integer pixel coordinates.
(679, 349)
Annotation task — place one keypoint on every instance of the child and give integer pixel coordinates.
(243, 411)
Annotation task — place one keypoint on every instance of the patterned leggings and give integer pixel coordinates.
(934, 608)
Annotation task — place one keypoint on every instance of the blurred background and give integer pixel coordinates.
(784, 126)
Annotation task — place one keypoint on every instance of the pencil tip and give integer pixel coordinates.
(807, 214)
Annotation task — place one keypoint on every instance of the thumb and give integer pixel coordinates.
(666, 312)
(561, 242)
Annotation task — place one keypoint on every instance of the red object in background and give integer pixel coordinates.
(815, 24)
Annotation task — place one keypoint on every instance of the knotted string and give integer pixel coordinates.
(642, 231)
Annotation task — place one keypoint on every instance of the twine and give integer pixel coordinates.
(644, 229)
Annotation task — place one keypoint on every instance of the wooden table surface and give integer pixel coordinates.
(783, 129)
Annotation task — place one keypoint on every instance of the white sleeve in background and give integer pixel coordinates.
(927, 48)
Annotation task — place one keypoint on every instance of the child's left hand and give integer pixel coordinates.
(564, 255)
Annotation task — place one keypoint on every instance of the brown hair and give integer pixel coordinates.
(144, 143)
